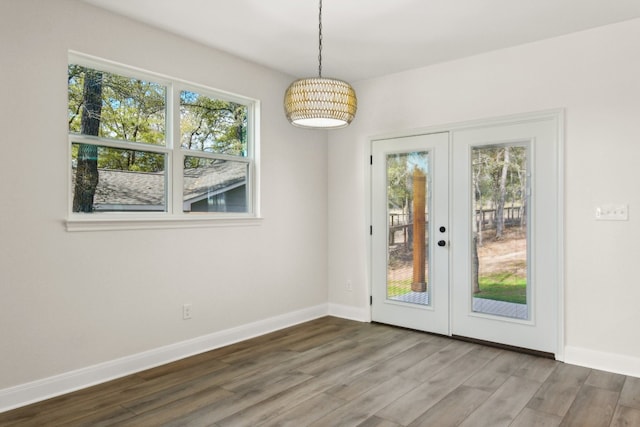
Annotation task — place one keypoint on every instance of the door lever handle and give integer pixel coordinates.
(442, 243)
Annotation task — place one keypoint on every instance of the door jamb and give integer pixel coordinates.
(556, 115)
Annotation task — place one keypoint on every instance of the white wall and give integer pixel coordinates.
(71, 300)
(594, 75)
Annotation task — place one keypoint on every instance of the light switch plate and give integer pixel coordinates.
(612, 212)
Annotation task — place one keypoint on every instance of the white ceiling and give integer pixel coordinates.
(369, 38)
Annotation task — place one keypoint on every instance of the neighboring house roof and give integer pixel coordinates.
(116, 187)
(129, 188)
(217, 178)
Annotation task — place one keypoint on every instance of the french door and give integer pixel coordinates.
(465, 232)
(410, 217)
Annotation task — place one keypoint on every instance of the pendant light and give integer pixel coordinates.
(320, 102)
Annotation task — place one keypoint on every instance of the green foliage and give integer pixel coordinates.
(212, 125)
(133, 110)
(126, 160)
(76, 96)
(397, 288)
(503, 286)
(400, 167)
(487, 164)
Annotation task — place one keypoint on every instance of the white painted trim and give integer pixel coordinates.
(116, 221)
(366, 306)
(360, 314)
(610, 362)
(560, 240)
(67, 382)
(174, 217)
(477, 123)
(555, 114)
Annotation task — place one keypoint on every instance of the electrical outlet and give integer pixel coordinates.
(186, 311)
(349, 285)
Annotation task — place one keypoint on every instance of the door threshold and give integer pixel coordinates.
(524, 350)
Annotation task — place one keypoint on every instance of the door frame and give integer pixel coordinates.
(557, 116)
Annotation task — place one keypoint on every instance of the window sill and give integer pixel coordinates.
(101, 223)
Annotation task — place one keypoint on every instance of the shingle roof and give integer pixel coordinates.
(117, 187)
(214, 178)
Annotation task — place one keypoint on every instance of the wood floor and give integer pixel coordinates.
(336, 372)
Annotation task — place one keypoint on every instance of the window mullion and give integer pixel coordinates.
(176, 154)
(253, 121)
(112, 143)
(216, 156)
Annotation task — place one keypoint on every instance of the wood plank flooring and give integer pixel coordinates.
(336, 372)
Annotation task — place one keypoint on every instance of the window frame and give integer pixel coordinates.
(173, 216)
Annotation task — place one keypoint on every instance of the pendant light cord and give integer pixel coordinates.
(320, 40)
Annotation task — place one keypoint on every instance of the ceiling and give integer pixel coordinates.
(369, 38)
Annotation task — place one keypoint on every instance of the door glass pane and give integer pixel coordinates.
(499, 274)
(408, 198)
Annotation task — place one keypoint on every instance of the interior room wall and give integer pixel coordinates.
(593, 75)
(73, 300)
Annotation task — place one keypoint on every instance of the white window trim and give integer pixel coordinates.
(144, 222)
(174, 217)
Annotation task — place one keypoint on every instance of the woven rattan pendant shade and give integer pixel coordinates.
(319, 102)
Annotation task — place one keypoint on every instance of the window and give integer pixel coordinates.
(156, 147)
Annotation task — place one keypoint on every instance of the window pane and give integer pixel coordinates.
(212, 125)
(213, 185)
(113, 106)
(108, 179)
(408, 237)
(499, 257)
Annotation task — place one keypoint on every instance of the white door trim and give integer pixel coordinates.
(556, 115)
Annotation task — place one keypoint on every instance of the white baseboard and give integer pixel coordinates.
(350, 312)
(46, 388)
(603, 361)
